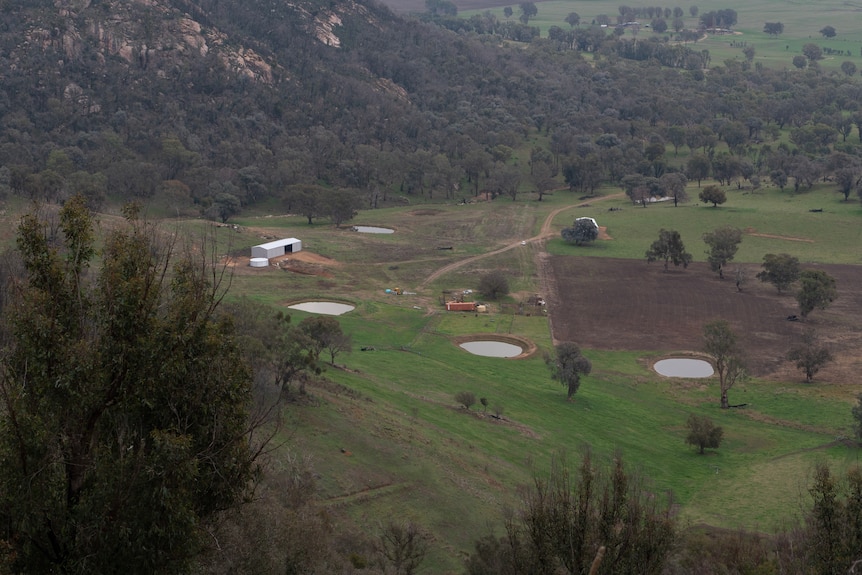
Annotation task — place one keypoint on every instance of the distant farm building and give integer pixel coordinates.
(276, 248)
(460, 306)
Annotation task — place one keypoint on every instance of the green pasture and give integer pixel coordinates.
(421, 455)
(831, 236)
(802, 24)
(397, 443)
(388, 440)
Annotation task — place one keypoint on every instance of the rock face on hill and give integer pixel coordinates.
(141, 95)
(162, 35)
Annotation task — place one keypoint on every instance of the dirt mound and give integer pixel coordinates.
(301, 262)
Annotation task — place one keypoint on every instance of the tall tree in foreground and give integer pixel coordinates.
(720, 343)
(600, 519)
(668, 247)
(833, 526)
(723, 243)
(568, 365)
(124, 421)
(403, 547)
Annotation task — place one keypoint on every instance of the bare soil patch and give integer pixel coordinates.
(632, 305)
(754, 232)
(302, 262)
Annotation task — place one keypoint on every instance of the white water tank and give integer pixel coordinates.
(258, 262)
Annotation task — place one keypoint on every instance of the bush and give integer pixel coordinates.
(703, 433)
(583, 232)
(599, 516)
(466, 398)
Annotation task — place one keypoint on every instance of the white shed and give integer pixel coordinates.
(595, 224)
(276, 248)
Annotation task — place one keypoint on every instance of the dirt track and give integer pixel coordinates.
(545, 232)
(632, 305)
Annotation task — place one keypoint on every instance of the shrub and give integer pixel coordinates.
(466, 398)
(493, 284)
(703, 433)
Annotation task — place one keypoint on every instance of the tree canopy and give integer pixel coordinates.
(568, 365)
(781, 270)
(493, 284)
(126, 401)
(816, 291)
(723, 243)
(575, 520)
(582, 232)
(809, 354)
(669, 247)
(703, 433)
(713, 195)
(773, 28)
(720, 343)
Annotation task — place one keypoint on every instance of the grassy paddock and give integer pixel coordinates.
(802, 24)
(388, 439)
(773, 222)
(403, 446)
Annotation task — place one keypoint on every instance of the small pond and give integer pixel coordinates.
(323, 307)
(373, 230)
(679, 367)
(492, 348)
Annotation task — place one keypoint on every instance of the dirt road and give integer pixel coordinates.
(544, 233)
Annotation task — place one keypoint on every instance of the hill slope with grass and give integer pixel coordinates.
(395, 441)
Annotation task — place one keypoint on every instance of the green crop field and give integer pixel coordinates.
(802, 24)
(388, 438)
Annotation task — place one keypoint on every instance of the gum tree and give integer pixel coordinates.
(723, 243)
(810, 355)
(668, 247)
(125, 401)
(816, 291)
(568, 365)
(781, 270)
(720, 343)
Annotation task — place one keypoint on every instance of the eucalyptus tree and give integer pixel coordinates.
(669, 248)
(723, 243)
(720, 342)
(126, 425)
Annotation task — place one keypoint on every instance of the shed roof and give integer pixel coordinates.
(278, 243)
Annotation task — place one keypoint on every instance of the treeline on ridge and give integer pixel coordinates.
(397, 108)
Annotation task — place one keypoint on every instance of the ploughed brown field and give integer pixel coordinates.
(632, 305)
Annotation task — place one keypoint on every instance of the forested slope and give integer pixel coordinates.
(220, 105)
